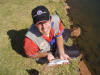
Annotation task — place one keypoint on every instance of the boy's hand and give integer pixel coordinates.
(64, 56)
(50, 57)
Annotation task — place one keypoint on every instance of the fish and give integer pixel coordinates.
(57, 62)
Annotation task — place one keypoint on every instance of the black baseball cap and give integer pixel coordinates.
(40, 13)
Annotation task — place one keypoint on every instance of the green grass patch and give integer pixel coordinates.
(15, 19)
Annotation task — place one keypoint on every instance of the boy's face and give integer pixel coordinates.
(44, 27)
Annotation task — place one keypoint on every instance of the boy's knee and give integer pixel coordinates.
(72, 51)
(75, 31)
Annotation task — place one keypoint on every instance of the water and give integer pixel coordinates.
(87, 14)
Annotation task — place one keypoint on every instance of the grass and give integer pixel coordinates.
(15, 19)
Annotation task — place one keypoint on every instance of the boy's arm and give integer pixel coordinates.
(49, 56)
(60, 46)
(39, 55)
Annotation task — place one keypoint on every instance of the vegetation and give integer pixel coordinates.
(15, 19)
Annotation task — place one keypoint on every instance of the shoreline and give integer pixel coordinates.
(84, 70)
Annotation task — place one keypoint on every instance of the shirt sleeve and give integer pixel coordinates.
(30, 47)
(61, 30)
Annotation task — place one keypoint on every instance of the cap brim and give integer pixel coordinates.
(41, 18)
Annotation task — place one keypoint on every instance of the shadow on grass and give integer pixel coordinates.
(17, 40)
(32, 72)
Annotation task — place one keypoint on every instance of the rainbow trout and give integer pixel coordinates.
(57, 61)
